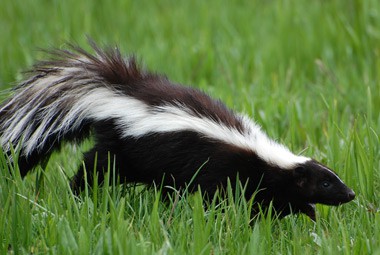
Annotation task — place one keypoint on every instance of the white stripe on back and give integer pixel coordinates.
(135, 118)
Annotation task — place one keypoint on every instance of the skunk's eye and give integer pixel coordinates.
(325, 184)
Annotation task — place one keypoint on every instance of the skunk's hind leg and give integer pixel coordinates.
(95, 162)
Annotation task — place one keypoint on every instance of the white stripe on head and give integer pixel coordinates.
(328, 170)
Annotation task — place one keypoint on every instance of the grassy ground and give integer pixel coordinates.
(307, 71)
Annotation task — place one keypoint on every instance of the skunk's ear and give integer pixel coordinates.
(300, 176)
(299, 171)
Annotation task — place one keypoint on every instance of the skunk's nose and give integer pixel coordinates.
(351, 195)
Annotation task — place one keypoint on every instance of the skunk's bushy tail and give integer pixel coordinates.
(62, 99)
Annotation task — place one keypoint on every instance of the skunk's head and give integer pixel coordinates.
(319, 184)
(313, 183)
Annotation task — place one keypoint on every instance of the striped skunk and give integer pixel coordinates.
(156, 132)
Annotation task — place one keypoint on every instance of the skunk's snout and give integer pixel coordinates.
(348, 196)
(351, 195)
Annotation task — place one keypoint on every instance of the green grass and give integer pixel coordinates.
(307, 71)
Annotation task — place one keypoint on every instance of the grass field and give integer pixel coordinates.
(307, 71)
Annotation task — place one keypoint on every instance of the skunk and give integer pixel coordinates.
(155, 131)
